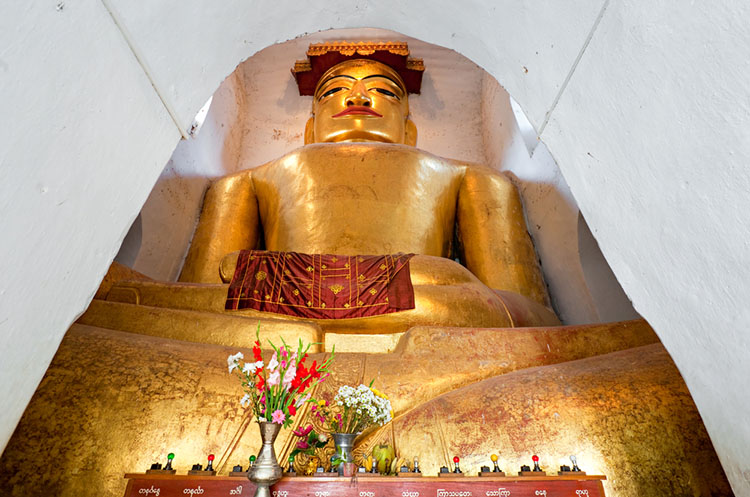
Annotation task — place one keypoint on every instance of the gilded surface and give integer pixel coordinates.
(114, 402)
(360, 47)
(445, 294)
(396, 199)
(359, 187)
(198, 327)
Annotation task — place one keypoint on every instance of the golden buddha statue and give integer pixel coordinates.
(462, 380)
(360, 186)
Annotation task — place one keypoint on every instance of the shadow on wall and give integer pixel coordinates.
(131, 245)
(612, 304)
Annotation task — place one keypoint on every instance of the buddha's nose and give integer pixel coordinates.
(358, 95)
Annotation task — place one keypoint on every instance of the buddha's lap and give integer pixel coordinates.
(445, 293)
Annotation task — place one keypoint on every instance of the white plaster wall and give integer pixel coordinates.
(649, 131)
(651, 135)
(82, 140)
(611, 301)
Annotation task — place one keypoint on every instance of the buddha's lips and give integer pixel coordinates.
(357, 110)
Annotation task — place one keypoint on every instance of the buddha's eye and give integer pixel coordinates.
(331, 92)
(385, 92)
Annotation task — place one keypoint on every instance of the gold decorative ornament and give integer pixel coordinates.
(336, 289)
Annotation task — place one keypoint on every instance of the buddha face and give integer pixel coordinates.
(360, 100)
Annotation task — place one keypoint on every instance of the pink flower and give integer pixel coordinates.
(338, 418)
(274, 378)
(278, 417)
(273, 364)
(289, 376)
(303, 445)
(302, 400)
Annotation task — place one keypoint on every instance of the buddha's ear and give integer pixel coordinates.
(410, 134)
(310, 131)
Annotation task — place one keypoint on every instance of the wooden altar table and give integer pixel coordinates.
(143, 485)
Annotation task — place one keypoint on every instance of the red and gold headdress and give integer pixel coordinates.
(323, 56)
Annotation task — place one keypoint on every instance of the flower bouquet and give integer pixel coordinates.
(360, 407)
(357, 408)
(275, 389)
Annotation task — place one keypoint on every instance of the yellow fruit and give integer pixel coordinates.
(381, 453)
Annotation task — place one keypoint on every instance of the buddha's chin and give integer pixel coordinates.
(349, 136)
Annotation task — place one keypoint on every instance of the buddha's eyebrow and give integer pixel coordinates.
(334, 77)
(384, 77)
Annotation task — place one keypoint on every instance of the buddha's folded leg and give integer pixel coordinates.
(627, 415)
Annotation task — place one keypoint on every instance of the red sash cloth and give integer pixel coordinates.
(321, 286)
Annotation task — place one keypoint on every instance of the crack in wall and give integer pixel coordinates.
(573, 67)
(139, 56)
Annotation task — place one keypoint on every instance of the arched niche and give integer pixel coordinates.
(608, 87)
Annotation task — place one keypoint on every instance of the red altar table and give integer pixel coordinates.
(143, 485)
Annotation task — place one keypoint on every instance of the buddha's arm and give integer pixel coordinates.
(229, 221)
(493, 241)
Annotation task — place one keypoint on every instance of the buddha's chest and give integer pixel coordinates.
(358, 199)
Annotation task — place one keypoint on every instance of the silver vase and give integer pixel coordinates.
(266, 470)
(344, 447)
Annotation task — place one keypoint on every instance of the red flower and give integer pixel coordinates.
(314, 370)
(292, 410)
(338, 418)
(260, 383)
(256, 352)
(312, 374)
(297, 381)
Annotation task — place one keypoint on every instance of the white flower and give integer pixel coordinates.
(233, 359)
(251, 367)
(245, 401)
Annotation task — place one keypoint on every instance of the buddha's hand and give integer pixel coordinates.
(228, 265)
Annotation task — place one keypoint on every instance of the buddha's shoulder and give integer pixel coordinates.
(370, 153)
